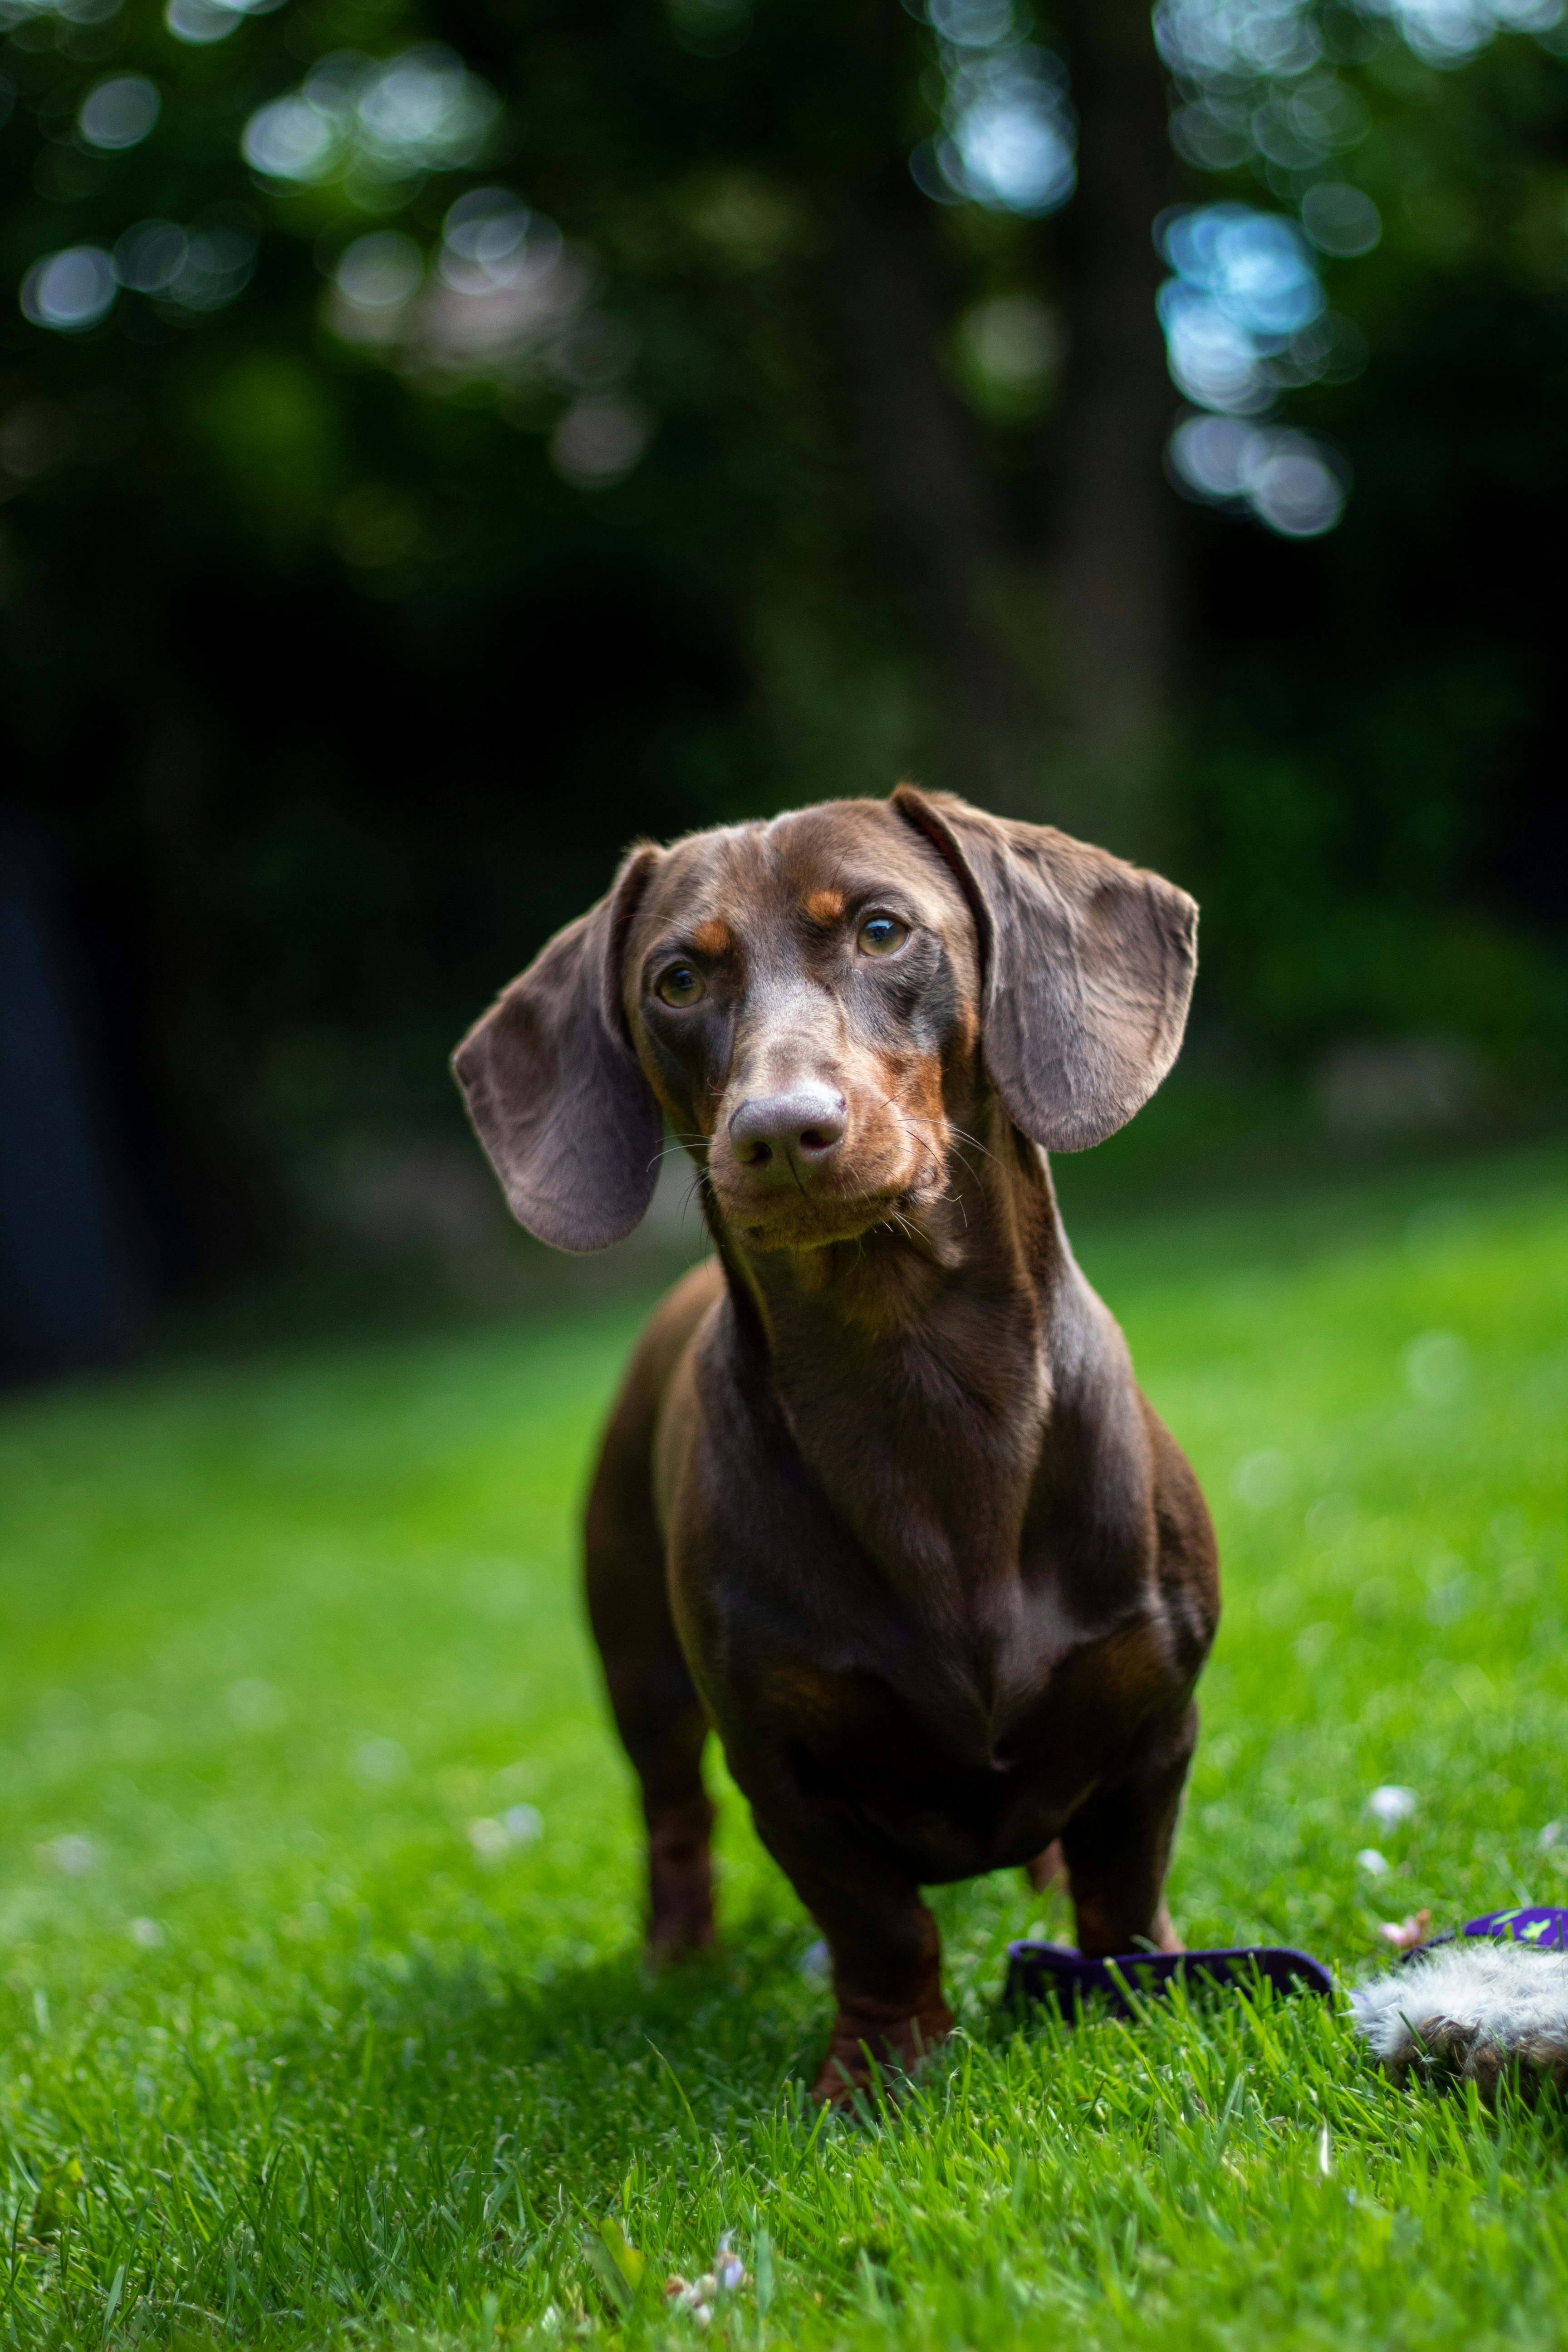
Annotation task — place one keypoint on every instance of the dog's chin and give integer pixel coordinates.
(812, 1221)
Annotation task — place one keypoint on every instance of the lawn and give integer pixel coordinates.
(322, 2016)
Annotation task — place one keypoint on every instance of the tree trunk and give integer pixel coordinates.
(215, 1188)
(923, 452)
(1115, 565)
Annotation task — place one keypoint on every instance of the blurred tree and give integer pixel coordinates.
(445, 437)
(1116, 564)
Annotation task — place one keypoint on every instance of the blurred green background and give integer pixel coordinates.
(441, 443)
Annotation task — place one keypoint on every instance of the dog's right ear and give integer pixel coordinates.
(555, 1092)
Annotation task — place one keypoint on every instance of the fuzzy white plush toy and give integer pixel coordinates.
(1476, 2009)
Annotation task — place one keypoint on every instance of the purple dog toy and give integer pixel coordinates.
(1037, 1971)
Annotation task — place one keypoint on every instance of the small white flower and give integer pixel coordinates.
(523, 1824)
(729, 2271)
(147, 1933)
(488, 1840)
(1391, 1805)
(681, 2294)
(1375, 1864)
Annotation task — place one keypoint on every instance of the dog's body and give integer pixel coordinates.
(880, 1500)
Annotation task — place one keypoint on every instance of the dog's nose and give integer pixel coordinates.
(803, 1128)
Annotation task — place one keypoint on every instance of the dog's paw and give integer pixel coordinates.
(865, 2050)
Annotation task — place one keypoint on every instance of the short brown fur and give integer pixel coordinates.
(880, 1500)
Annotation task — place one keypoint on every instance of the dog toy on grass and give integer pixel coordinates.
(1490, 2000)
(1037, 1971)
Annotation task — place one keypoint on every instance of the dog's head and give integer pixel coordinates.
(813, 1003)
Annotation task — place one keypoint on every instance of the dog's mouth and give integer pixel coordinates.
(812, 1216)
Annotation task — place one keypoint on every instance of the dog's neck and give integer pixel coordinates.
(912, 1364)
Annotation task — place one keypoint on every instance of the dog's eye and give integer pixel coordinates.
(682, 985)
(881, 935)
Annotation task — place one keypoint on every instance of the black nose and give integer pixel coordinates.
(805, 1128)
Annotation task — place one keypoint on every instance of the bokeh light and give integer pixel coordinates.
(1009, 136)
(490, 239)
(200, 22)
(1238, 38)
(1339, 219)
(1291, 481)
(119, 112)
(1260, 87)
(1255, 266)
(70, 291)
(199, 269)
(423, 108)
(1246, 292)
(501, 300)
(1010, 349)
(1012, 144)
(508, 325)
(380, 271)
(388, 119)
(218, 266)
(292, 140)
(1450, 32)
(972, 24)
(150, 257)
(1014, 342)
(599, 440)
(70, 12)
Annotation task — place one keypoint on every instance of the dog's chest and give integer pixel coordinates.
(949, 1623)
(965, 1755)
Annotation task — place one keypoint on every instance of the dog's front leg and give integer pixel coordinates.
(1117, 1848)
(885, 1945)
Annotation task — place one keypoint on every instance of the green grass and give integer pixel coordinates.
(290, 2051)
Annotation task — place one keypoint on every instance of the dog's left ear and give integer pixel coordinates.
(1087, 968)
(557, 1097)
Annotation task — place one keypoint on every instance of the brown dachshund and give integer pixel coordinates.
(880, 1500)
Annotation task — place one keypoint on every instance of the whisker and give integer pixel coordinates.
(672, 1150)
(959, 1134)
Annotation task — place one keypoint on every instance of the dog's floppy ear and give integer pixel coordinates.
(554, 1090)
(1087, 968)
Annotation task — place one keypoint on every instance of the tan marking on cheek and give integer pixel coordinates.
(915, 1081)
(826, 906)
(713, 938)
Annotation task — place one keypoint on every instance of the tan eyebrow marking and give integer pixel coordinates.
(713, 938)
(825, 906)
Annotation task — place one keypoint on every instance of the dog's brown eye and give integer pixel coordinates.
(881, 934)
(682, 985)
